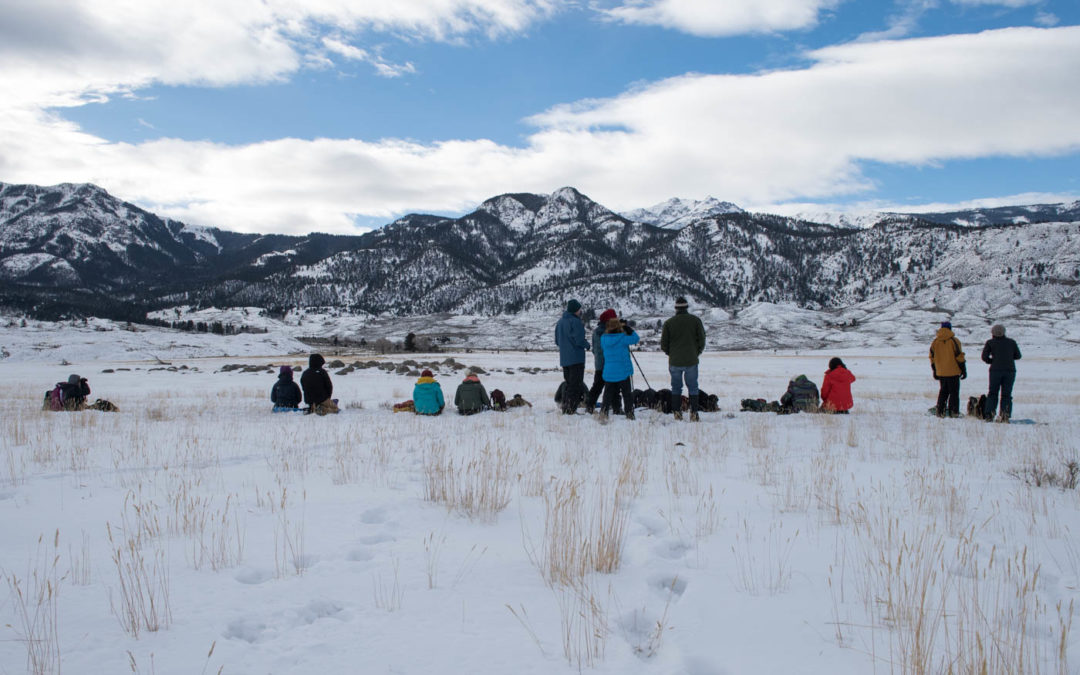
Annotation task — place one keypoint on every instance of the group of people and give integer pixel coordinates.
(682, 338)
(317, 388)
(949, 365)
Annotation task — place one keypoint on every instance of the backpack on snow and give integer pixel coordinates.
(644, 398)
(54, 398)
(559, 392)
(976, 407)
(498, 400)
(708, 402)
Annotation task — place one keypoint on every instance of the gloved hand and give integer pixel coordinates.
(963, 371)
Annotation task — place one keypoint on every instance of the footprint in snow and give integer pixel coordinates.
(668, 584)
(377, 539)
(252, 576)
(373, 516)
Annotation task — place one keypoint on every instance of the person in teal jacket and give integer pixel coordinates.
(617, 365)
(427, 395)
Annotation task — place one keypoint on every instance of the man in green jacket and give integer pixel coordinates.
(683, 340)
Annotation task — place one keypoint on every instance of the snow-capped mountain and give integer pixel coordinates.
(77, 250)
(676, 213)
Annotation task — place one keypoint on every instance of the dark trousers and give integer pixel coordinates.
(575, 387)
(613, 390)
(596, 390)
(949, 395)
(1000, 380)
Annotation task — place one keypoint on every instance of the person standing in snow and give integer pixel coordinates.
(949, 367)
(1001, 353)
(427, 395)
(683, 340)
(285, 395)
(836, 388)
(617, 366)
(598, 363)
(317, 387)
(570, 338)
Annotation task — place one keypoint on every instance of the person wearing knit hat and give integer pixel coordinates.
(948, 364)
(570, 338)
(285, 394)
(471, 397)
(428, 395)
(597, 387)
(683, 340)
(1001, 353)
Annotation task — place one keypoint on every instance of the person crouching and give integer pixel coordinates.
(617, 366)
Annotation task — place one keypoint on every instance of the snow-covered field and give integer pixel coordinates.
(196, 532)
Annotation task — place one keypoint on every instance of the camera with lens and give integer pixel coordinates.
(628, 325)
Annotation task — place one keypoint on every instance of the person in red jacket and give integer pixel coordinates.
(836, 389)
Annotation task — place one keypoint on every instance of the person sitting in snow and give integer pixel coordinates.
(317, 387)
(285, 394)
(836, 388)
(471, 397)
(801, 396)
(427, 395)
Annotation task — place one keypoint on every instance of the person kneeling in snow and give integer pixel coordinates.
(285, 395)
(427, 395)
(471, 397)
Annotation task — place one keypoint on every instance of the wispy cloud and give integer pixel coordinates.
(903, 21)
(382, 67)
(722, 17)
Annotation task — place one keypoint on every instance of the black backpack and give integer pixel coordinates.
(559, 392)
(645, 398)
(498, 400)
(708, 402)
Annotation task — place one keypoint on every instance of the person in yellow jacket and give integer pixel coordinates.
(949, 367)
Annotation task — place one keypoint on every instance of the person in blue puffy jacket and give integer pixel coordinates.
(617, 365)
(570, 338)
(427, 395)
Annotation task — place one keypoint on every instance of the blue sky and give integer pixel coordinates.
(333, 115)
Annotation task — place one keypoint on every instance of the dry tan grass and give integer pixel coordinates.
(35, 604)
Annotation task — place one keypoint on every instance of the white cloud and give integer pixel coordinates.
(1002, 3)
(62, 52)
(722, 17)
(769, 137)
(382, 67)
(1046, 19)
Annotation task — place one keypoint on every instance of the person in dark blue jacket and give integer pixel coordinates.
(285, 395)
(617, 365)
(1001, 353)
(570, 338)
(598, 363)
(427, 395)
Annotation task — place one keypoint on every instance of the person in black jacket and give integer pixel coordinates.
(1001, 353)
(317, 387)
(285, 395)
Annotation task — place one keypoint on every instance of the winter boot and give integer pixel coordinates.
(630, 414)
(676, 406)
(694, 409)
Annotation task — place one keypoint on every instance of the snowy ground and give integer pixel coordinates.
(247, 542)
